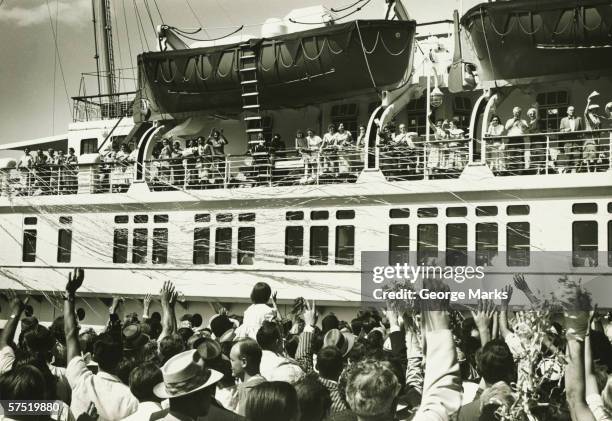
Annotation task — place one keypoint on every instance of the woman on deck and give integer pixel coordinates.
(456, 143)
(497, 145)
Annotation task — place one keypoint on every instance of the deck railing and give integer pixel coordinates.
(545, 153)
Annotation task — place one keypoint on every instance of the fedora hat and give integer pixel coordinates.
(184, 374)
(343, 341)
(133, 337)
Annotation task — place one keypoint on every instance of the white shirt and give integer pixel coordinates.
(7, 358)
(113, 399)
(25, 161)
(144, 412)
(314, 142)
(254, 316)
(278, 368)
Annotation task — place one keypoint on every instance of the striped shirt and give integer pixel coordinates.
(338, 404)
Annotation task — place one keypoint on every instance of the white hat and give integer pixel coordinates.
(593, 106)
(184, 374)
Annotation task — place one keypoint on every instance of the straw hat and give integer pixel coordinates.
(343, 341)
(185, 374)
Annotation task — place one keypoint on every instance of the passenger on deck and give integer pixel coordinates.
(41, 170)
(329, 150)
(25, 166)
(590, 156)
(188, 155)
(122, 177)
(435, 148)
(497, 145)
(361, 137)
(165, 157)
(516, 127)
(535, 146)
(344, 143)
(71, 172)
(60, 158)
(457, 154)
(569, 124)
(276, 149)
(310, 155)
(217, 141)
(178, 171)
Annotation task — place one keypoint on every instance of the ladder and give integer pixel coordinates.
(247, 68)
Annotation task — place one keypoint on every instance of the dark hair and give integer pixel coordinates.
(272, 401)
(57, 329)
(268, 335)
(251, 351)
(331, 126)
(107, 352)
(329, 362)
(125, 367)
(495, 116)
(24, 382)
(39, 341)
(495, 362)
(313, 398)
(261, 293)
(196, 320)
(329, 322)
(143, 379)
(156, 316)
(50, 386)
(171, 345)
(80, 312)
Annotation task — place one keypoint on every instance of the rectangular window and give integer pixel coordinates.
(160, 246)
(141, 219)
(427, 212)
(64, 245)
(139, 245)
(582, 208)
(201, 245)
(415, 117)
(319, 215)
(202, 217)
(345, 245)
(399, 213)
(486, 243)
(29, 246)
(399, 244)
(65, 220)
(160, 219)
(456, 212)
(30, 220)
(486, 210)
(319, 245)
(246, 217)
(294, 215)
(456, 244)
(345, 214)
(294, 245)
(552, 107)
(584, 244)
(246, 245)
(517, 244)
(225, 217)
(223, 246)
(120, 245)
(346, 114)
(609, 243)
(121, 219)
(89, 145)
(427, 244)
(514, 210)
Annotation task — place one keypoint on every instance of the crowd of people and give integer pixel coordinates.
(519, 146)
(53, 172)
(421, 361)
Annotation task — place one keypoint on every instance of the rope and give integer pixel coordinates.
(484, 33)
(365, 56)
(524, 30)
(199, 74)
(159, 12)
(374, 47)
(320, 50)
(231, 66)
(161, 71)
(146, 3)
(510, 26)
(59, 58)
(334, 20)
(408, 44)
(342, 9)
(127, 34)
(582, 11)
(141, 28)
(183, 34)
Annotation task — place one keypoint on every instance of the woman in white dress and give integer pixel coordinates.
(496, 144)
(457, 155)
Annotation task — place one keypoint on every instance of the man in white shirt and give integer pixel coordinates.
(274, 365)
(113, 399)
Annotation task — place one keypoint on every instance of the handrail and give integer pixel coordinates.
(607, 130)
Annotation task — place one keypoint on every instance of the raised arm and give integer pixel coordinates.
(75, 280)
(17, 307)
(146, 304)
(503, 315)
(483, 317)
(519, 283)
(167, 294)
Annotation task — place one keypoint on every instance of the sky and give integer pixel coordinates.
(33, 97)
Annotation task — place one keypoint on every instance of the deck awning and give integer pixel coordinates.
(55, 142)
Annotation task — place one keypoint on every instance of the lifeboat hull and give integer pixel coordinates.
(292, 70)
(526, 39)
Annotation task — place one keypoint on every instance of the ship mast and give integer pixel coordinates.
(107, 45)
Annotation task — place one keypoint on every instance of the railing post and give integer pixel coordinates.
(547, 152)
(471, 151)
(226, 169)
(425, 163)
(59, 180)
(318, 167)
(483, 151)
